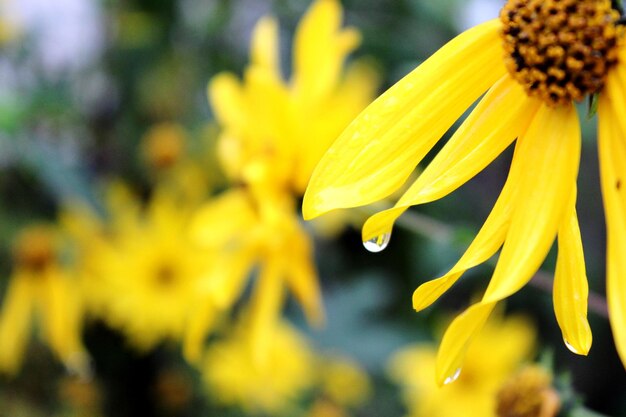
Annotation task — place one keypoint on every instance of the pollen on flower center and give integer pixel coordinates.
(560, 50)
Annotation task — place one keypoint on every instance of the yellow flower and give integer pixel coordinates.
(274, 132)
(41, 292)
(265, 234)
(528, 393)
(533, 62)
(496, 353)
(343, 381)
(235, 378)
(142, 274)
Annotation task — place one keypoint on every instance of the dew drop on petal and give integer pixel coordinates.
(452, 377)
(570, 347)
(377, 243)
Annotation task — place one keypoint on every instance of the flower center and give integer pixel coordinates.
(163, 145)
(34, 249)
(528, 393)
(560, 50)
(165, 276)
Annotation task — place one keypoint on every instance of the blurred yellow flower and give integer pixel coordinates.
(343, 381)
(141, 273)
(528, 393)
(497, 351)
(274, 132)
(529, 66)
(235, 378)
(42, 293)
(241, 234)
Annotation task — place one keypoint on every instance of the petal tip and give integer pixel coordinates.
(309, 209)
(418, 301)
(314, 204)
(580, 347)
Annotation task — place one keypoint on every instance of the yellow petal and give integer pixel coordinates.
(264, 51)
(265, 309)
(15, 323)
(570, 285)
(612, 152)
(61, 317)
(269, 129)
(501, 116)
(320, 48)
(232, 268)
(301, 278)
(457, 340)
(227, 100)
(488, 240)
(549, 152)
(215, 295)
(200, 322)
(615, 93)
(356, 90)
(224, 220)
(382, 146)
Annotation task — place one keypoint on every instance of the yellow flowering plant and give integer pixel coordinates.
(275, 131)
(177, 276)
(141, 273)
(531, 64)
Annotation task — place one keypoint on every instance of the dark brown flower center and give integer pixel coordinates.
(560, 50)
(165, 276)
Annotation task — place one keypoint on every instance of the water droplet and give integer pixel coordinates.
(377, 243)
(570, 347)
(452, 377)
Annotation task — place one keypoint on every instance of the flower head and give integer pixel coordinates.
(497, 352)
(528, 393)
(41, 291)
(236, 378)
(266, 235)
(273, 133)
(142, 274)
(531, 64)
